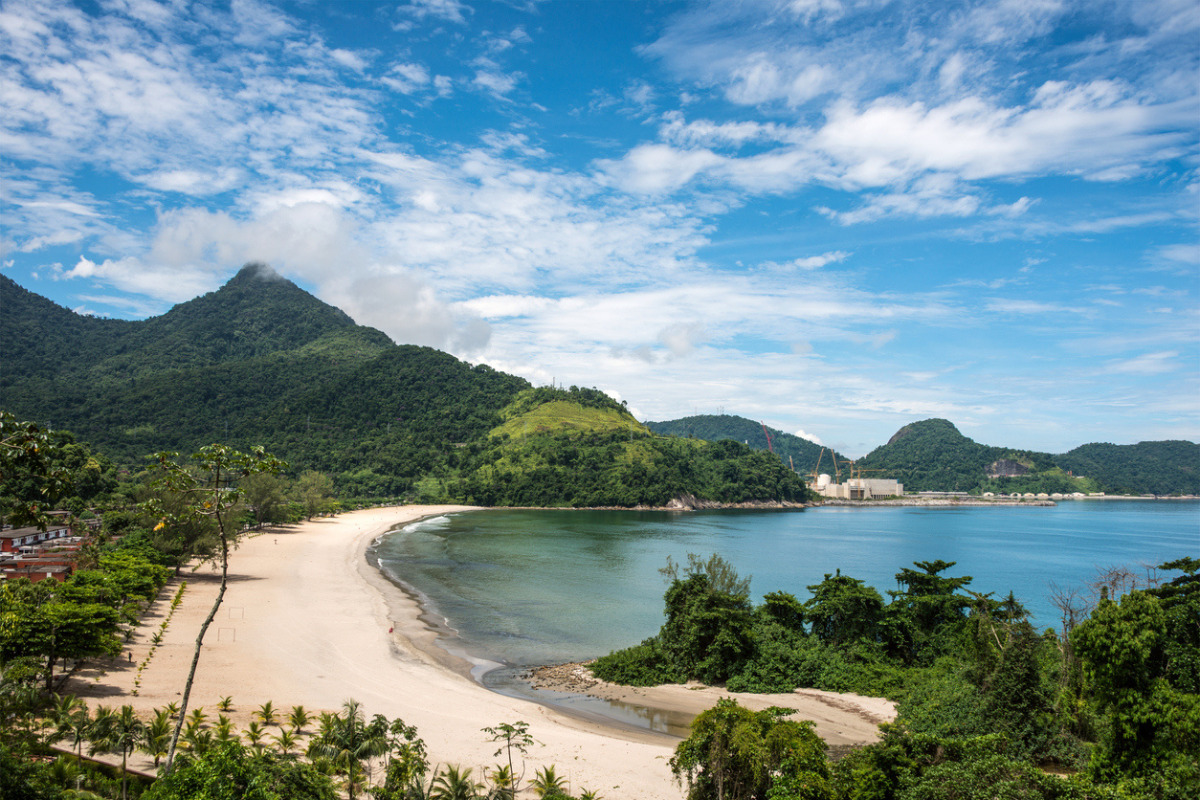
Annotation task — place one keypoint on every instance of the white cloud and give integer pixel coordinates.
(658, 168)
(812, 437)
(407, 78)
(1147, 364)
(448, 10)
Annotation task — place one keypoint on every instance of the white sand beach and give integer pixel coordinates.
(306, 621)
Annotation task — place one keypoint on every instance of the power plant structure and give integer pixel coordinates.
(856, 487)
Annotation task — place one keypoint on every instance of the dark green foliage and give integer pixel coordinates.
(1167, 467)
(262, 363)
(1180, 601)
(929, 610)
(707, 632)
(737, 754)
(905, 765)
(621, 467)
(259, 361)
(932, 455)
(844, 610)
(1150, 723)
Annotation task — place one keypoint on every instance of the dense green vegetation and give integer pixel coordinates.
(1170, 467)
(799, 453)
(1115, 696)
(262, 363)
(578, 447)
(933, 455)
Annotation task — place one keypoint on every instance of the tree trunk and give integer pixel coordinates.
(187, 689)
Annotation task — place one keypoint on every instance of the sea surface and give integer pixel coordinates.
(522, 588)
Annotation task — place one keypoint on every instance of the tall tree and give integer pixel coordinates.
(120, 732)
(209, 487)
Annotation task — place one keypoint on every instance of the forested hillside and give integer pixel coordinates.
(262, 362)
(792, 450)
(580, 447)
(932, 455)
(1170, 467)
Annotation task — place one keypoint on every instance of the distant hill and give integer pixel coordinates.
(932, 455)
(1167, 467)
(791, 449)
(580, 447)
(262, 362)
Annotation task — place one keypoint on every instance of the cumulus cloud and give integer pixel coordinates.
(812, 437)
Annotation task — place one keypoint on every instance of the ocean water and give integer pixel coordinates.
(523, 588)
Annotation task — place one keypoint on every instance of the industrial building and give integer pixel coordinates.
(858, 488)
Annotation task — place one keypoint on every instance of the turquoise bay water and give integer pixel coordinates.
(537, 587)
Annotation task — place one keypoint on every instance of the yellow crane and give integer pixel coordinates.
(817, 469)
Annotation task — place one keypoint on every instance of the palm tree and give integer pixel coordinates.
(298, 719)
(225, 703)
(224, 729)
(350, 742)
(547, 783)
(255, 734)
(72, 720)
(286, 740)
(157, 737)
(198, 739)
(118, 732)
(197, 718)
(455, 784)
(266, 713)
(588, 794)
(502, 782)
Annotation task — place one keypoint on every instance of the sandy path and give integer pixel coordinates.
(305, 621)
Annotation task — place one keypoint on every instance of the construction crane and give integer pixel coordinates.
(817, 468)
(768, 435)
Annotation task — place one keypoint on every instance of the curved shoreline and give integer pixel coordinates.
(664, 713)
(306, 621)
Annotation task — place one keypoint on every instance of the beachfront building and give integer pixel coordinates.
(17, 540)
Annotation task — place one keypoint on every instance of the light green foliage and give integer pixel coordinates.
(455, 783)
(41, 620)
(733, 753)
(313, 490)
(511, 736)
(548, 784)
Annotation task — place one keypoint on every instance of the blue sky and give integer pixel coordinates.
(836, 216)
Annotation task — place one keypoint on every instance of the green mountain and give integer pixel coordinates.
(580, 447)
(1168, 467)
(799, 453)
(932, 455)
(262, 362)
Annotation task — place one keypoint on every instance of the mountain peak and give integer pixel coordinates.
(927, 427)
(257, 270)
